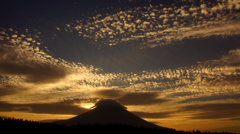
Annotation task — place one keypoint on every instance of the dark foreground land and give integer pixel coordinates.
(18, 125)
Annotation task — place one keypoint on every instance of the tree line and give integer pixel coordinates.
(19, 125)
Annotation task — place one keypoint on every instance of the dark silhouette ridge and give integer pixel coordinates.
(108, 112)
(12, 125)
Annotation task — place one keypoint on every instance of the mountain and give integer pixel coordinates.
(108, 112)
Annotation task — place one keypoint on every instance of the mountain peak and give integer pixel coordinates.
(108, 112)
(108, 103)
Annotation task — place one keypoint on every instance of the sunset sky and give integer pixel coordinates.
(173, 63)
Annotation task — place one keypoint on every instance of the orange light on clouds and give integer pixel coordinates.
(29, 75)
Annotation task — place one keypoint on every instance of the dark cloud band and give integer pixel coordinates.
(141, 99)
(213, 111)
(153, 115)
(49, 108)
(20, 62)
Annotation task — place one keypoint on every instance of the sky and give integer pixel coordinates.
(175, 63)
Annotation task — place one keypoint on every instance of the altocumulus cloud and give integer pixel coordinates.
(15, 60)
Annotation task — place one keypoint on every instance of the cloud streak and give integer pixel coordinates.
(110, 94)
(48, 108)
(213, 111)
(153, 115)
(17, 61)
(141, 99)
(10, 90)
(128, 55)
(211, 98)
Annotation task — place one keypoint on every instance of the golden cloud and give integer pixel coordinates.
(15, 60)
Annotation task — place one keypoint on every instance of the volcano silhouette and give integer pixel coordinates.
(108, 112)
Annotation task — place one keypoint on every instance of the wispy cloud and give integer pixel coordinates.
(14, 60)
(153, 115)
(9, 90)
(49, 108)
(141, 99)
(109, 94)
(175, 94)
(213, 111)
(153, 72)
(210, 98)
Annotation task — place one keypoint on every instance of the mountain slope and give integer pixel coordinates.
(112, 113)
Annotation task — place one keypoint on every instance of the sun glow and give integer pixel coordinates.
(36, 116)
(87, 105)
